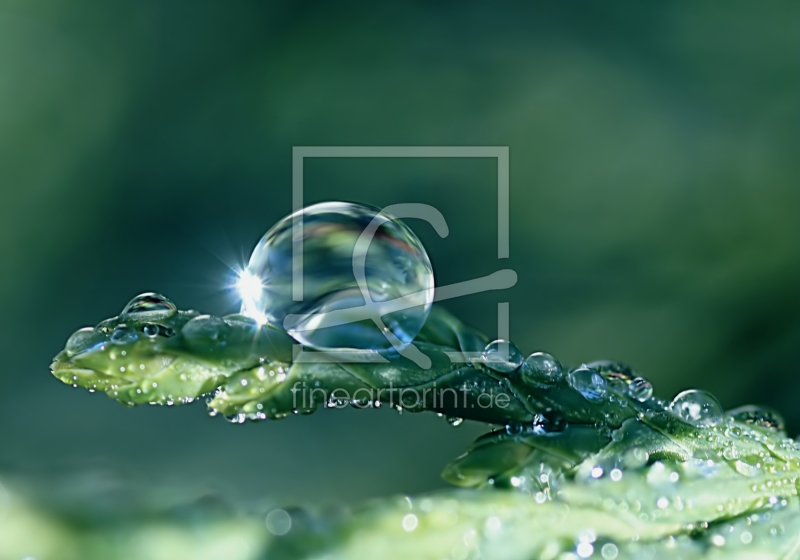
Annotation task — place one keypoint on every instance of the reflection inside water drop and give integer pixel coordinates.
(699, 408)
(588, 383)
(502, 356)
(540, 367)
(341, 271)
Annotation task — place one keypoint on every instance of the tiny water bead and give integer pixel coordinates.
(502, 356)
(366, 278)
(123, 334)
(696, 407)
(540, 367)
(589, 383)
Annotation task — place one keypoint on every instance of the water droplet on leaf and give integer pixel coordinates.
(696, 407)
(588, 383)
(123, 334)
(454, 420)
(758, 416)
(341, 269)
(502, 356)
(640, 389)
(540, 367)
(148, 306)
(80, 340)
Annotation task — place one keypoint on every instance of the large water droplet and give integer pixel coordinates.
(540, 367)
(699, 408)
(502, 356)
(149, 306)
(588, 383)
(80, 340)
(341, 270)
(640, 389)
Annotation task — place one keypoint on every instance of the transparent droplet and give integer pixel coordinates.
(148, 306)
(618, 374)
(588, 383)
(279, 522)
(699, 408)
(640, 389)
(123, 334)
(150, 329)
(758, 416)
(80, 340)
(514, 428)
(502, 356)
(341, 270)
(454, 420)
(540, 367)
(635, 458)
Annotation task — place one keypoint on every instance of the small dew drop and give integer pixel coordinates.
(588, 383)
(502, 356)
(123, 335)
(640, 389)
(540, 367)
(696, 407)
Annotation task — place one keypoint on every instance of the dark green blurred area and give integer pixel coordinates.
(655, 212)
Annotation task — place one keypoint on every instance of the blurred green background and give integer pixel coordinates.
(147, 145)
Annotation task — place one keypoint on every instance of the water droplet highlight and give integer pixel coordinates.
(341, 269)
(696, 407)
(502, 356)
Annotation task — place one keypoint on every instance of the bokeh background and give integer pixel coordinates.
(147, 146)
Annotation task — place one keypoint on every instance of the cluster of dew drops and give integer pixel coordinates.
(595, 380)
